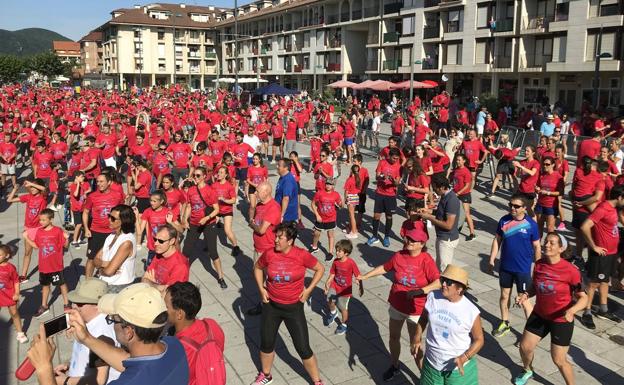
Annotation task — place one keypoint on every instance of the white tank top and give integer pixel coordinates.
(126, 271)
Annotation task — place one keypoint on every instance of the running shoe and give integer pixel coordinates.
(351, 235)
(236, 251)
(222, 283)
(41, 312)
(588, 321)
(263, 379)
(607, 315)
(386, 242)
(21, 338)
(372, 240)
(329, 257)
(471, 237)
(523, 378)
(341, 329)
(562, 227)
(330, 318)
(390, 373)
(23, 279)
(313, 249)
(502, 329)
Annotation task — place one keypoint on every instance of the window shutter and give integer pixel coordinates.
(590, 49)
(482, 16)
(161, 50)
(408, 25)
(405, 56)
(480, 52)
(608, 43)
(451, 54)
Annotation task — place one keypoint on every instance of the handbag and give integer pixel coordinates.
(208, 209)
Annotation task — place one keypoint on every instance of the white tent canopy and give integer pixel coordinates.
(240, 80)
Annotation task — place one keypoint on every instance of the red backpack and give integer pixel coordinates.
(208, 362)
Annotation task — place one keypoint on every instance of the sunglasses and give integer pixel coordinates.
(78, 304)
(112, 218)
(514, 206)
(447, 281)
(161, 241)
(547, 164)
(111, 320)
(198, 175)
(323, 156)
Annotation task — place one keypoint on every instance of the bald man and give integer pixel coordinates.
(268, 215)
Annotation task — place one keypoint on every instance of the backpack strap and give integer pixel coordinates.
(208, 329)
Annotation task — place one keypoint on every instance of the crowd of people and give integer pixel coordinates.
(165, 168)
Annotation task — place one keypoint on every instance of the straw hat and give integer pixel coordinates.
(456, 273)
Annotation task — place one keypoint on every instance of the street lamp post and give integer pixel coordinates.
(236, 49)
(599, 55)
(175, 72)
(411, 91)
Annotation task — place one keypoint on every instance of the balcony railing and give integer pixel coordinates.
(344, 16)
(371, 12)
(537, 23)
(431, 32)
(373, 39)
(431, 3)
(561, 17)
(392, 8)
(502, 61)
(391, 37)
(333, 67)
(194, 55)
(255, 51)
(430, 63)
(533, 61)
(391, 65)
(298, 68)
(505, 25)
(335, 43)
(194, 70)
(356, 14)
(453, 27)
(211, 55)
(332, 19)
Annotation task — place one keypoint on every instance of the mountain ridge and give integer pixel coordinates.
(28, 41)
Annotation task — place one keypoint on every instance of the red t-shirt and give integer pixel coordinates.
(410, 273)
(144, 150)
(50, 244)
(472, 150)
(350, 186)
(8, 279)
(588, 147)
(58, 150)
(239, 152)
(364, 178)
(77, 203)
(175, 197)
(343, 276)
(100, 205)
(34, 205)
(320, 178)
(391, 172)
(527, 182)
(257, 175)
(197, 332)
(8, 151)
(180, 153)
(562, 166)
(285, 273)
(554, 285)
(584, 185)
(425, 163)
(160, 164)
(552, 183)
(86, 158)
(277, 131)
(462, 178)
(145, 179)
(154, 220)
(226, 191)
(605, 230)
(168, 271)
(217, 149)
(268, 212)
(420, 181)
(43, 161)
(197, 205)
(291, 130)
(110, 142)
(326, 202)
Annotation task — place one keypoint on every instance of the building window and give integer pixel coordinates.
(137, 33)
(456, 19)
(535, 95)
(161, 50)
(161, 35)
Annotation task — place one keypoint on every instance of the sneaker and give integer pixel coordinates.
(23, 279)
(236, 251)
(330, 318)
(67, 308)
(21, 338)
(372, 240)
(341, 329)
(562, 227)
(254, 311)
(390, 373)
(386, 241)
(84, 241)
(53, 208)
(329, 257)
(76, 245)
(222, 283)
(523, 378)
(263, 379)
(607, 315)
(588, 321)
(42, 311)
(471, 237)
(351, 235)
(313, 249)
(502, 329)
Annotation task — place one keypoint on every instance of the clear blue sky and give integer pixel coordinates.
(73, 18)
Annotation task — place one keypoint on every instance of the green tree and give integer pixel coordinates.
(10, 68)
(47, 64)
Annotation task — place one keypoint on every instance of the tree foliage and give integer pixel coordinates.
(10, 68)
(13, 67)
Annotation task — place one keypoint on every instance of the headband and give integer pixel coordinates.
(564, 242)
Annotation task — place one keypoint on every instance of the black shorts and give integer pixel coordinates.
(600, 268)
(225, 215)
(77, 217)
(560, 332)
(277, 141)
(56, 278)
(385, 204)
(578, 217)
(143, 204)
(361, 207)
(320, 226)
(251, 189)
(241, 173)
(95, 244)
(466, 198)
(505, 167)
(523, 281)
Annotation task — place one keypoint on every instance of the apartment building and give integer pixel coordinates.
(161, 44)
(66, 50)
(91, 53)
(527, 51)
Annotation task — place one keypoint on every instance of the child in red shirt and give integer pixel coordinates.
(10, 291)
(339, 285)
(324, 206)
(78, 191)
(51, 242)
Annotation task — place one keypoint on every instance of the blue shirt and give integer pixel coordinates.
(481, 118)
(287, 187)
(517, 252)
(169, 367)
(547, 129)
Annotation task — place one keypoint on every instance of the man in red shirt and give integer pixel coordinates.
(183, 301)
(388, 174)
(169, 265)
(8, 154)
(98, 204)
(240, 153)
(180, 153)
(42, 162)
(601, 232)
(475, 153)
(589, 147)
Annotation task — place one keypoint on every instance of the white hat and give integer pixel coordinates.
(137, 304)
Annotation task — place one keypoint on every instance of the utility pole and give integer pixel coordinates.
(175, 15)
(597, 58)
(411, 91)
(236, 49)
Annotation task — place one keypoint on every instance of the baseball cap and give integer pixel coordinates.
(416, 235)
(331, 181)
(137, 304)
(89, 290)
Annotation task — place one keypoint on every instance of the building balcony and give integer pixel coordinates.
(432, 32)
(392, 8)
(391, 65)
(334, 43)
(333, 67)
(536, 24)
(254, 51)
(194, 55)
(265, 50)
(430, 63)
(298, 68)
(373, 39)
(534, 63)
(504, 25)
(431, 3)
(194, 70)
(451, 3)
(371, 12)
(211, 55)
(344, 17)
(391, 37)
(356, 14)
(501, 62)
(332, 19)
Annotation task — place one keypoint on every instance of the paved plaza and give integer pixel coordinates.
(361, 355)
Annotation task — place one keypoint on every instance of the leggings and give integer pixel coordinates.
(191, 243)
(294, 317)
